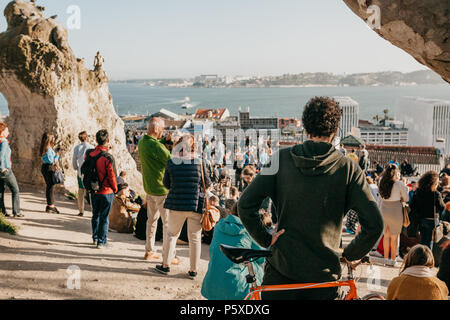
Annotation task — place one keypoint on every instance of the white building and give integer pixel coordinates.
(391, 133)
(350, 115)
(428, 121)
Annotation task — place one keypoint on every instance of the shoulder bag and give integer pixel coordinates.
(406, 212)
(57, 174)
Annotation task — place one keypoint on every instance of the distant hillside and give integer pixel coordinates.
(392, 78)
(387, 78)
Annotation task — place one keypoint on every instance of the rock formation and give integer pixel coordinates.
(49, 89)
(421, 28)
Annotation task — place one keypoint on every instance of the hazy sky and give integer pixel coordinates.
(185, 38)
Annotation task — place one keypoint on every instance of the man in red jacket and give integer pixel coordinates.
(102, 200)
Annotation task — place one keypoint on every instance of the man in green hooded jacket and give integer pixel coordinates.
(312, 190)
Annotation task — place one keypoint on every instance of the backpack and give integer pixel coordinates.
(89, 172)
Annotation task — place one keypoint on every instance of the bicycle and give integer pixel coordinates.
(247, 256)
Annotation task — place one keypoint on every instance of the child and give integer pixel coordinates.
(225, 280)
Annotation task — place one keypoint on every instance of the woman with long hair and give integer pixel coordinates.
(7, 176)
(49, 159)
(417, 280)
(185, 201)
(426, 202)
(392, 193)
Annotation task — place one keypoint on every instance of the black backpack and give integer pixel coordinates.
(89, 172)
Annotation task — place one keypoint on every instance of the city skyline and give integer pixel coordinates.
(179, 39)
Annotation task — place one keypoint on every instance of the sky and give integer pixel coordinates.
(185, 38)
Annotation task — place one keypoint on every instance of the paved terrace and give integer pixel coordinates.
(34, 263)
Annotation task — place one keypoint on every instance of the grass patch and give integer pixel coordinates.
(8, 227)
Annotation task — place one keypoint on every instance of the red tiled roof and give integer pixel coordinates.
(203, 113)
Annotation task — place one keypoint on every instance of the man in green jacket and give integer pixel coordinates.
(154, 156)
(313, 188)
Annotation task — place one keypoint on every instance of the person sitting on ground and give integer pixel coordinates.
(123, 211)
(446, 170)
(444, 267)
(417, 280)
(395, 161)
(232, 199)
(214, 203)
(440, 246)
(444, 186)
(378, 168)
(407, 169)
(121, 178)
(224, 279)
(313, 188)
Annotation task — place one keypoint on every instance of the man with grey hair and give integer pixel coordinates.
(154, 156)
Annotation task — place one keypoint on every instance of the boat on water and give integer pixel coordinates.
(187, 104)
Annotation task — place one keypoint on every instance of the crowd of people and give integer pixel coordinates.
(301, 206)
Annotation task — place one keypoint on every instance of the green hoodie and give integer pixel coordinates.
(154, 156)
(313, 189)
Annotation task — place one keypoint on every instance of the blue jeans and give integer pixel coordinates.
(426, 232)
(101, 206)
(9, 179)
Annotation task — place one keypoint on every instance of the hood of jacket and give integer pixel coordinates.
(231, 226)
(315, 158)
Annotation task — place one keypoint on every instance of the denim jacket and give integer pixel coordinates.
(5, 155)
(50, 157)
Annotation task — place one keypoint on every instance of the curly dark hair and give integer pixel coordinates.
(387, 181)
(428, 180)
(322, 116)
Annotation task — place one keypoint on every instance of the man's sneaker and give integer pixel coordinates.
(161, 269)
(81, 214)
(192, 275)
(19, 215)
(52, 210)
(101, 246)
(6, 214)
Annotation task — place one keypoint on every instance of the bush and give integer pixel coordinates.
(7, 227)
